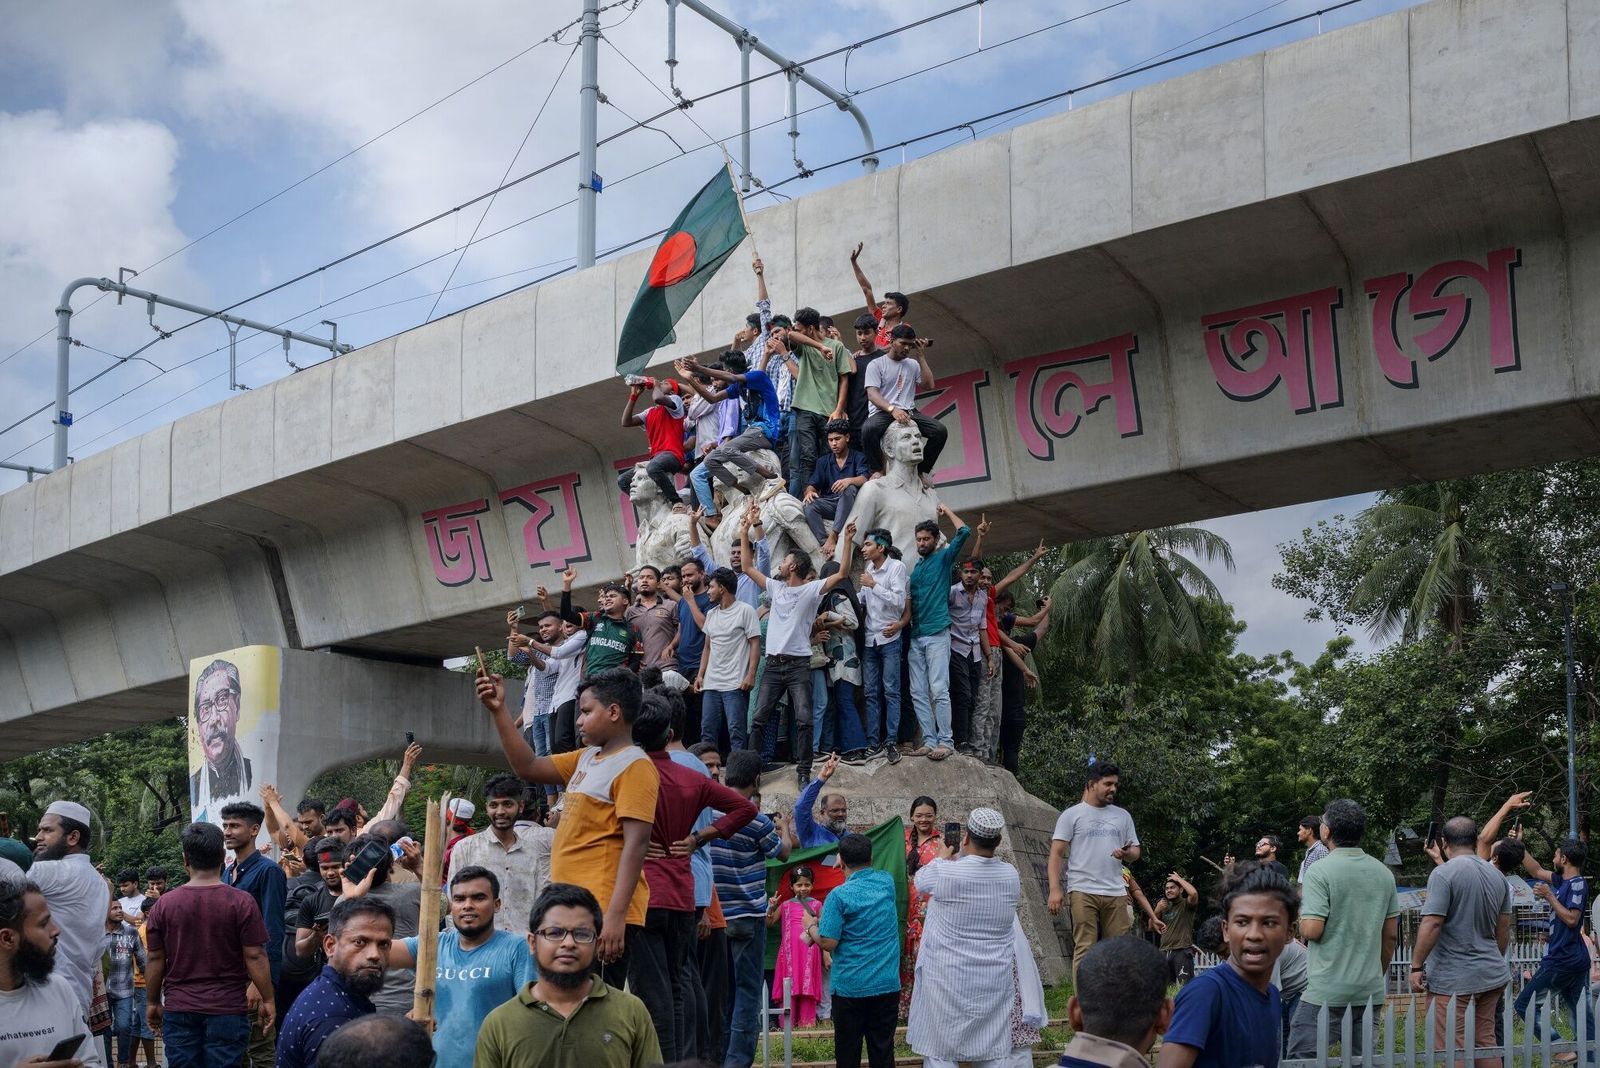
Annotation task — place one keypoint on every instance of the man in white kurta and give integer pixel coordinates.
(961, 1004)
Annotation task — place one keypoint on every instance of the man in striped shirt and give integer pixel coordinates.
(739, 867)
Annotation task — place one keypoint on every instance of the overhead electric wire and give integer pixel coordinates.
(1128, 72)
(537, 115)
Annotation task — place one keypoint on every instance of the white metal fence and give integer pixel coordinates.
(1403, 1031)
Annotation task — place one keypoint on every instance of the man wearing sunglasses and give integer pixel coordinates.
(569, 1015)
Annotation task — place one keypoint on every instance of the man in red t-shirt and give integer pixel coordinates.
(206, 942)
(663, 428)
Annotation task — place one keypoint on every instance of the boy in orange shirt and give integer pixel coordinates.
(609, 805)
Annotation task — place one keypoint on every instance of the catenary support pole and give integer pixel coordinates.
(588, 103)
(63, 418)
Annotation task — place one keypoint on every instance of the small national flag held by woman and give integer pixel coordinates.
(704, 234)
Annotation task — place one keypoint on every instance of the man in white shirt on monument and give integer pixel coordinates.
(1093, 840)
(79, 896)
(961, 1003)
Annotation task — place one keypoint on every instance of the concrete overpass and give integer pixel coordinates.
(1352, 262)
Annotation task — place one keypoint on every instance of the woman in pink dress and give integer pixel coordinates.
(799, 958)
(922, 845)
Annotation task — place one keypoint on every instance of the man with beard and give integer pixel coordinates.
(518, 856)
(309, 814)
(570, 1015)
(835, 810)
(360, 936)
(204, 940)
(930, 630)
(37, 1009)
(479, 968)
(78, 895)
(227, 772)
(264, 881)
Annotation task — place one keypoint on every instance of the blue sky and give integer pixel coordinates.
(128, 131)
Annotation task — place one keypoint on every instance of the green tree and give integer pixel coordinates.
(1130, 600)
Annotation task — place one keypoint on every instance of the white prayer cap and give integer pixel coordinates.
(70, 810)
(672, 680)
(462, 809)
(986, 823)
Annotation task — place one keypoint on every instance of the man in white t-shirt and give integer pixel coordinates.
(795, 598)
(38, 1008)
(893, 382)
(1093, 840)
(728, 659)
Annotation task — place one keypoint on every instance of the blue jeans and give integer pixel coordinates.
(724, 706)
(883, 691)
(930, 688)
(747, 948)
(196, 1040)
(846, 720)
(822, 733)
(538, 739)
(700, 479)
(1567, 984)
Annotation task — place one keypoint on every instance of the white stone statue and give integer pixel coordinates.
(663, 524)
(784, 521)
(897, 501)
(735, 499)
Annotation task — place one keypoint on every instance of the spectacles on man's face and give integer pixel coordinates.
(582, 936)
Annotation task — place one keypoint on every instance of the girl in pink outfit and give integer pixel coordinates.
(799, 959)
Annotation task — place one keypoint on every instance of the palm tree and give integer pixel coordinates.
(1425, 579)
(1129, 599)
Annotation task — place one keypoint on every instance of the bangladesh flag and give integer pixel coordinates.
(888, 854)
(704, 234)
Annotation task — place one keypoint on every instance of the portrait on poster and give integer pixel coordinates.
(233, 728)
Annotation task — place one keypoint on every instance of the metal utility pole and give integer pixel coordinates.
(1565, 590)
(588, 104)
(747, 43)
(63, 418)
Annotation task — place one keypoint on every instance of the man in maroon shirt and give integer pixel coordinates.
(206, 940)
(656, 967)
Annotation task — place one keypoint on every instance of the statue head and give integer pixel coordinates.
(903, 443)
(642, 488)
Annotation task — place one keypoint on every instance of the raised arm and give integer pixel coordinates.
(527, 766)
(628, 418)
(1190, 894)
(927, 382)
(567, 612)
(1491, 830)
(861, 277)
(401, 785)
(844, 559)
(761, 280)
(747, 556)
(982, 532)
(1020, 570)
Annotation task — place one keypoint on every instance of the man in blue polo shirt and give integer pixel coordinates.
(264, 881)
(860, 926)
(930, 630)
(1564, 971)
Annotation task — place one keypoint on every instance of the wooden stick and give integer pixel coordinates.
(1213, 863)
(428, 917)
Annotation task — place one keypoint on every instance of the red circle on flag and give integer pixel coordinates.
(674, 261)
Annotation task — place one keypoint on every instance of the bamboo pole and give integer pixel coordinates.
(428, 917)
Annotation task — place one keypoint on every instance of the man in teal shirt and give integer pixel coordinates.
(1348, 918)
(930, 630)
(860, 926)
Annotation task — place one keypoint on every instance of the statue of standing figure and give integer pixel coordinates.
(899, 500)
(783, 522)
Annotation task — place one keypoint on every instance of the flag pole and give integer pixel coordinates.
(727, 161)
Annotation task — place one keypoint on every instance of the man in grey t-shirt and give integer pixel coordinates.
(1093, 840)
(1466, 926)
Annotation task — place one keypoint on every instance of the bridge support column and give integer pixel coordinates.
(262, 713)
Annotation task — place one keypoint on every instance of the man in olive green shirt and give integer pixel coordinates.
(822, 368)
(569, 1017)
(1348, 919)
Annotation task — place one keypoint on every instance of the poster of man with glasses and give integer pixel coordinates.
(233, 728)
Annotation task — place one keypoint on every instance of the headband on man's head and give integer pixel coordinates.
(880, 539)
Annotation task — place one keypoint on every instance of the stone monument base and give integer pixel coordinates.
(878, 790)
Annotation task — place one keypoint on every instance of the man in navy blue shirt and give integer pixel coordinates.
(360, 932)
(835, 479)
(1230, 1015)
(264, 881)
(1120, 1005)
(1564, 971)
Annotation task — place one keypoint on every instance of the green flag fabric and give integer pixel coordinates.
(888, 854)
(704, 234)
